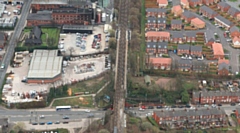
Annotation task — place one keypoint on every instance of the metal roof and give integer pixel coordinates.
(77, 27)
(50, 2)
(45, 64)
(39, 16)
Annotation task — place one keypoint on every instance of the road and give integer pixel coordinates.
(12, 43)
(26, 115)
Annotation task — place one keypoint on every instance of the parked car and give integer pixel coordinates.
(57, 122)
(159, 107)
(65, 117)
(233, 104)
(87, 111)
(41, 116)
(49, 123)
(150, 107)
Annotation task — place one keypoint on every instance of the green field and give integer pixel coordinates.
(50, 33)
(84, 101)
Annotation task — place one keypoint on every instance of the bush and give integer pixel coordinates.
(29, 105)
(151, 120)
(145, 126)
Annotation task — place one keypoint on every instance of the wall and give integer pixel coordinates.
(40, 81)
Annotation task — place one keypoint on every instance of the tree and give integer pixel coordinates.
(154, 129)
(112, 43)
(103, 131)
(185, 96)
(135, 41)
(145, 126)
(20, 126)
(112, 33)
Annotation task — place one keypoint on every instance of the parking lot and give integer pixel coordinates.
(76, 45)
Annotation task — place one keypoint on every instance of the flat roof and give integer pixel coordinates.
(77, 27)
(50, 2)
(39, 16)
(45, 64)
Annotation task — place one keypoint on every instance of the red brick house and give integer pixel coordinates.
(183, 49)
(187, 16)
(196, 50)
(161, 24)
(233, 12)
(176, 24)
(208, 2)
(237, 113)
(162, 3)
(194, 3)
(151, 23)
(151, 48)
(234, 32)
(223, 67)
(177, 10)
(177, 118)
(190, 37)
(162, 48)
(218, 52)
(215, 97)
(177, 37)
(160, 63)
(157, 36)
(223, 6)
(184, 4)
(156, 12)
(207, 12)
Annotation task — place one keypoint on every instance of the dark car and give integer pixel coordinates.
(65, 122)
(233, 104)
(180, 106)
(159, 107)
(219, 104)
(188, 106)
(173, 106)
(41, 123)
(150, 107)
(34, 123)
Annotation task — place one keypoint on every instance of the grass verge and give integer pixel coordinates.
(81, 101)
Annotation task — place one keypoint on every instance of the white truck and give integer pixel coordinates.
(107, 27)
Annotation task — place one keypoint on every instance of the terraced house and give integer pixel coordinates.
(202, 118)
(156, 12)
(215, 97)
(225, 23)
(160, 63)
(223, 6)
(207, 12)
(187, 16)
(156, 36)
(177, 37)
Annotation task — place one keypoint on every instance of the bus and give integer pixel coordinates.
(62, 108)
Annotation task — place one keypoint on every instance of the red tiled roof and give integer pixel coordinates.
(236, 39)
(217, 49)
(159, 60)
(184, 1)
(162, 1)
(177, 8)
(223, 61)
(157, 34)
(197, 21)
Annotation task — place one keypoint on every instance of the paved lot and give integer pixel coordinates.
(10, 8)
(70, 42)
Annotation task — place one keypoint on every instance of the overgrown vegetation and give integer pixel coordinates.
(84, 101)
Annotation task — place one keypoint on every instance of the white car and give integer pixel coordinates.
(190, 58)
(87, 111)
(141, 109)
(41, 116)
(183, 57)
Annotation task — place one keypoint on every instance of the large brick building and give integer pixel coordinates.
(214, 117)
(61, 16)
(215, 97)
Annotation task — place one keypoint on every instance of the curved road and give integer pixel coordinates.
(12, 43)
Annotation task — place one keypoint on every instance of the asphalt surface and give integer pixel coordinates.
(53, 116)
(12, 43)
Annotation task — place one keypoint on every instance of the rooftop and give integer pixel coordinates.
(196, 48)
(176, 21)
(184, 46)
(223, 4)
(188, 14)
(217, 49)
(162, 1)
(156, 10)
(45, 64)
(176, 8)
(177, 35)
(157, 34)
(197, 21)
(77, 27)
(73, 10)
(50, 2)
(39, 16)
(208, 10)
(224, 20)
(160, 60)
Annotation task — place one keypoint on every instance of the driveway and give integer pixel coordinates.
(233, 53)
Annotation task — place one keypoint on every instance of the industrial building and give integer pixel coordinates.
(62, 15)
(45, 67)
(77, 29)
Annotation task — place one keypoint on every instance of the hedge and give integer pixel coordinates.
(152, 121)
(30, 49)
(29, 105)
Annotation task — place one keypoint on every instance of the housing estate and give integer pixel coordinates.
(204, 118)
(215, 97)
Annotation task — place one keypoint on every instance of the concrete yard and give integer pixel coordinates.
(70, 42)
